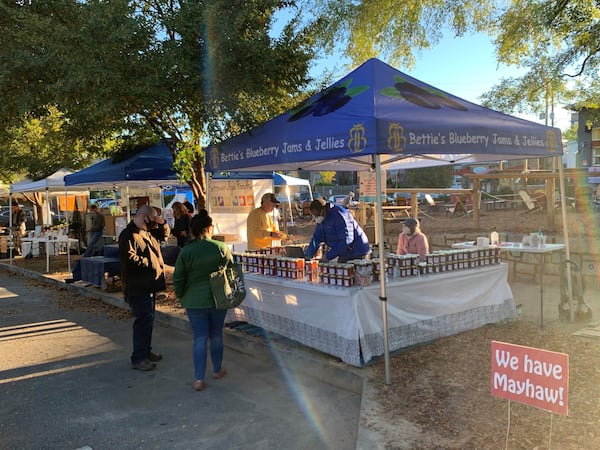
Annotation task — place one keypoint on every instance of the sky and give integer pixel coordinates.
(466, 67)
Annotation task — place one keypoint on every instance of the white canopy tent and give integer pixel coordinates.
(52, 184)
(280, 179)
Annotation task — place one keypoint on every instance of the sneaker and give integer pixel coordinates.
(154, 357)
(199, 385)
(220, 374)
(144, 365)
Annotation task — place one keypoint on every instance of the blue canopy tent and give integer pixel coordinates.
(378, 110)
(377, 116)
(150, 167)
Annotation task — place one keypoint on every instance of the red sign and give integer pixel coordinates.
(539, 378)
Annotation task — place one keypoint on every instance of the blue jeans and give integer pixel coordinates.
(207, 323)
(93, 239)
(142, 307)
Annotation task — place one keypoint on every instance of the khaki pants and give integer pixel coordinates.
(17, 234)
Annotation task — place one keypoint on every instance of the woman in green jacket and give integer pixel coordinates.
(196, 261)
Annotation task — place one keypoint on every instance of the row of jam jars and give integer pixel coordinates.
(336, 274)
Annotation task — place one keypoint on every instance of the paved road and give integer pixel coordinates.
(65, 383)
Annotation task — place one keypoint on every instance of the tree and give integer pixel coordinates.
(395, 31)
(189, 72)
(429, 177)
(559, 43)
(327, 177)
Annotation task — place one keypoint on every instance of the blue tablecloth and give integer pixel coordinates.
(93, 268)
(169, 253)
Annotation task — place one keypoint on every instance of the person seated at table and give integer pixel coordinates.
(337, 228)
(411, 240)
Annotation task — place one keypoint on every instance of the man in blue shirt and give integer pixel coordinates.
(339, 231)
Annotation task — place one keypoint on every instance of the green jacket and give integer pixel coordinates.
(196, 261)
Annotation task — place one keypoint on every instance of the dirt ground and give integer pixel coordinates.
(440, 398)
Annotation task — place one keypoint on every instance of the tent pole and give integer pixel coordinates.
(127, 203)
(48, 221)
(379, 237)
(11, 237)
(563, 209)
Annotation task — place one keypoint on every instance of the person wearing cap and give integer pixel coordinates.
(411, 240)
(337, 228)
(260, 226)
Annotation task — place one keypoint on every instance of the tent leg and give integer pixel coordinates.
(382, 275)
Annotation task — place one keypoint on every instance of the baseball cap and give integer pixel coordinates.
(410, 222)
(270, 197)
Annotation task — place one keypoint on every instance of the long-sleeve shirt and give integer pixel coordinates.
(196, 261)
(415, 245)
(142, 266)
(340, 232)
(259, 225)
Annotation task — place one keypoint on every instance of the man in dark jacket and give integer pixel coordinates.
(339, 231)
(142, 276)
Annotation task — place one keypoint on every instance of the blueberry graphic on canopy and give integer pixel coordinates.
(416, 95)
(426, 98)
(329, 101)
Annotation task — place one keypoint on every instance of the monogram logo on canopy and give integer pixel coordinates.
(396, 140)
(357, 142)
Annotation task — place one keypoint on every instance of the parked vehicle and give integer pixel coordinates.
(109, 203)
(29, 218)
(305, 196)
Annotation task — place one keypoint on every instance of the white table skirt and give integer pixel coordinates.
(347, 322)
(52, 247)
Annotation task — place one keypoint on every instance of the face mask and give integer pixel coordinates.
(319, 219)
(406, 230)
(150, 224)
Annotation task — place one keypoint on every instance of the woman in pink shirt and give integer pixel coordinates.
(411, 240)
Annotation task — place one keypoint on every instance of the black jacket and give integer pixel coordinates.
(142, 266)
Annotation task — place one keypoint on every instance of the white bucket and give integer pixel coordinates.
(483, 242)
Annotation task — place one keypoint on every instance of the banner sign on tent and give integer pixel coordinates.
(377, 109)
(532, 376)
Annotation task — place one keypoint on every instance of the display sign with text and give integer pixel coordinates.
(367, 185)
(231, 196)
(532, 376)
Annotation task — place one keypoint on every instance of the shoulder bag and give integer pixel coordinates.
(228, 286)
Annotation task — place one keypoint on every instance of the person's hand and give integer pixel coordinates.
(277, 234)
